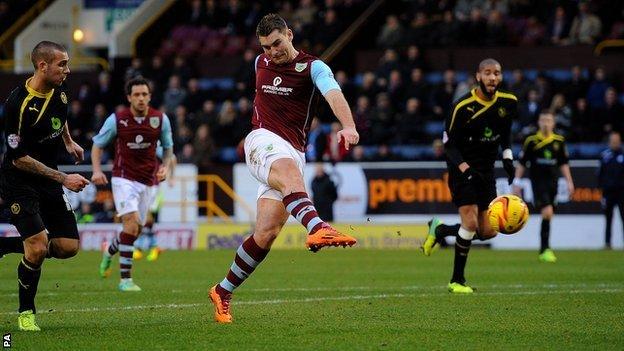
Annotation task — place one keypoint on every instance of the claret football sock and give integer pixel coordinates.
(248, 257)
(300, 206)
(126, 248)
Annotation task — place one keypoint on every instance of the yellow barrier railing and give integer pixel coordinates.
(211, 182)
(609, 43)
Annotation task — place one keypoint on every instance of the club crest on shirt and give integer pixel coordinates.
(15, 208)
(154, 122)
(63, 97)
(502, 112)
(13, 140)
(299, 67)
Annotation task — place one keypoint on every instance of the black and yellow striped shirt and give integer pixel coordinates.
(33, 125)
(475, 129)
(543, 155)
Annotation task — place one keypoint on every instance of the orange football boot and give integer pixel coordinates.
(328, 236)
(221, 305)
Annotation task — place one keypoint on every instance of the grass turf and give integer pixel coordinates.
(335, 299)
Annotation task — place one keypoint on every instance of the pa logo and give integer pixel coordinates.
(6, 341)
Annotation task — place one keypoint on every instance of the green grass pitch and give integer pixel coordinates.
(337, 299)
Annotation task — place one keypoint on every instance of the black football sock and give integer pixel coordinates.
(443, 230)
(545, 234)
(28, 275)
(12, 244)
(462, 247)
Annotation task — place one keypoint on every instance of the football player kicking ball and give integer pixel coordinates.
(288, 85)
(478, 124)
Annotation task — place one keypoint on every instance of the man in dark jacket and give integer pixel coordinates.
(324, 193)
(611, 181)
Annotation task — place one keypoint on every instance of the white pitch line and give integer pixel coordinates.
(347, 288)
(322, 299)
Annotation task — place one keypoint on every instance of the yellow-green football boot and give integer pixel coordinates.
(457, 288)
(26, 321)
(548, 256)
(431, 243)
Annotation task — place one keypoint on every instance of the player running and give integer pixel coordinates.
(544, 154)
(288, 85)
(478, 124)
(136, 131)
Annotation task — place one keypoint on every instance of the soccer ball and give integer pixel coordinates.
(508, 214)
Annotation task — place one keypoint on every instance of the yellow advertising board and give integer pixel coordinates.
(293, 236)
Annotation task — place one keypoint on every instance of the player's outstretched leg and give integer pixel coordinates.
(462, 247)
(248, 257)
(12, 244)
(320, 234)
(437, 232)
(107, 257)
(126, 248)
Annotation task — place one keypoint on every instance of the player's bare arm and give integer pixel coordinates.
(340, 107)
(565, 170)
(72, 147)
(73, 182)
(98, 177)
(167, 159)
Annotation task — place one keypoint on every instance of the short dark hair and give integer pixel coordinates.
(137, 81)
(44, 50)
(269, 23)
(487, 62)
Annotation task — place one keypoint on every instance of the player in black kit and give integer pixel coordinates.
(544, 154)
(35, 116)
(478, 124)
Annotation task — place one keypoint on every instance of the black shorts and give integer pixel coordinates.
(544, 193)
(464, 192)
(37, 206)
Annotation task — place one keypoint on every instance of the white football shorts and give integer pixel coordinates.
(262, 148)
(132, 196)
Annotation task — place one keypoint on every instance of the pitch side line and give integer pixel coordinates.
(321, 299)
(351, 288)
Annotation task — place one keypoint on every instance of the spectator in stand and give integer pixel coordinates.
(442, 97)
(388, 62)
(382, 120)
(223, 131)
(335, 150)
(519, 85)
(534, 32)
(158, 74)
(577, 87)
(183, 135)
(584, 127)
(174, 95)
(99, 116)
(348, 90)
(543, 88)
(437, 148)
(611, 115)
(324, 193)
(234, 17)
(611, 181)
(242, 122)
(182, 69)
(419, 31)
(417, 86)
(328, 31)
(187, 155)
(104, 91)
(447, 30)
(245, 74)
(413, 59)
(362, 119)
(559, 26)
(396, 88)
(213, 15)
(385, 154)
(305, 12)
(194, 98)
(410, 123)
(316, 142)
(208, 114)
(597, 89)
(107, 214)
(392, 34)
(586, 27)
(528, 112)
(356, 155)
(474, 31)
(563, 115)
(496, 30)
(500, 6)
(369, 86)
(135, 69)
(204, 149)
(197, 14)
(463, 8)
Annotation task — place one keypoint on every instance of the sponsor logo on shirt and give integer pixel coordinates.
(275, 88)
(138, 143)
